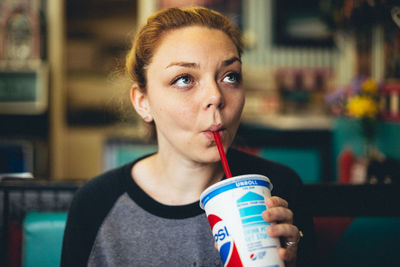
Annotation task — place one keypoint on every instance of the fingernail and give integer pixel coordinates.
(269, 230)
(267, 214)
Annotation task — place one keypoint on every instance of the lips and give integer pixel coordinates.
(214, 128)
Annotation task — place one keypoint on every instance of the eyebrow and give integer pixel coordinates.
(195, 65)
(183, 64)
(231, 61)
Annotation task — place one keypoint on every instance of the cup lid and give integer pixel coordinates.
(231, 183)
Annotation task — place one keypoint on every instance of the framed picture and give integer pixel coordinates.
(23, 71)
(300, 23)
(20, 30)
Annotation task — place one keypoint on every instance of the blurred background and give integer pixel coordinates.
(64, 105)
(322, 80)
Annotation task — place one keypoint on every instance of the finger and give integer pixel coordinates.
(276, 202)
(287, 231)
(278, 214)
(288, 255)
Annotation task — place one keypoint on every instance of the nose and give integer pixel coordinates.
(214, 97)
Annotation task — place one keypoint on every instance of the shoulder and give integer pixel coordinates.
(91, 204)
(104, 183)
(99, 193)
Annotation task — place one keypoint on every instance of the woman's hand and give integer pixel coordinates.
(278, 213)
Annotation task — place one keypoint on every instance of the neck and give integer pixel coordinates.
(175, 180)
(185, 177)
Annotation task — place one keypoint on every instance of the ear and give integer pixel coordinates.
(141, 103)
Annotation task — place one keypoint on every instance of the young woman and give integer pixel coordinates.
(186, 70)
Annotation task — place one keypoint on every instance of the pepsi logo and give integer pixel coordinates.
(258, 256)
(225, 243)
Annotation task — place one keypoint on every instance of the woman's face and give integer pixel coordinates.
(193, 88)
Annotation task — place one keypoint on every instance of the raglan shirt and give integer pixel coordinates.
(113, 222)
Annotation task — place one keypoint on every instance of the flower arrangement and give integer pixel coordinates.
(360, 100)
(365, 102)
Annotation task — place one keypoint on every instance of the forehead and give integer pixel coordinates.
(194, 39)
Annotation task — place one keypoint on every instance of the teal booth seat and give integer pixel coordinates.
(306, 162)
(118, 153)
(42, 238)
(368, 241)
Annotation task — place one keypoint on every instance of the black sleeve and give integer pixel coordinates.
(90, 206)
(307, 252)
(288, 185)
(78, 235)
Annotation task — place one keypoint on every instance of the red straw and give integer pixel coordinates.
(222, 155)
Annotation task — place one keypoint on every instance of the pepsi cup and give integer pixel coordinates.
(233, 209)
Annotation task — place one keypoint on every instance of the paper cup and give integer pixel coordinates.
(233, 209)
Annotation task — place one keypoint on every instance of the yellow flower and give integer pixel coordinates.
(369, 86)
(362, 106)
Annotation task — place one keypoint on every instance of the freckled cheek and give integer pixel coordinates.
(188, 116)
(236, 104)
(181, 115)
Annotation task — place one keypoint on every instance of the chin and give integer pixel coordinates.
(211, 156)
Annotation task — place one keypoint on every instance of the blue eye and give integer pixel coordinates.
(183, 81)
(232, 77)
